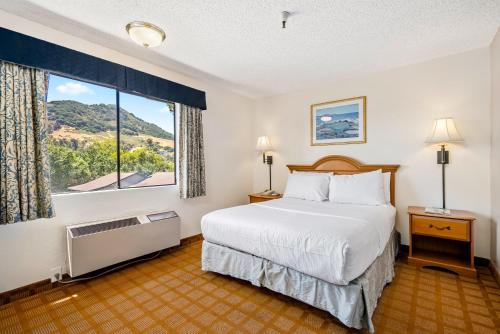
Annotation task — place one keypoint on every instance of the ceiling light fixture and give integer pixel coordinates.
(146, 34)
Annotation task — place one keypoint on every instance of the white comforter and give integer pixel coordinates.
(333, 242)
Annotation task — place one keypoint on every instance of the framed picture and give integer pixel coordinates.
(339, 122)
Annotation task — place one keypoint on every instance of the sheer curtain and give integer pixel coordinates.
(191, 156)
(24, 160)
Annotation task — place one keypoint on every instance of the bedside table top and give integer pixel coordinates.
(455, 214)
(266, 196)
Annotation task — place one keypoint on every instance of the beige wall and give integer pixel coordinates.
(495, 150)
(29, 250)
(401, 106)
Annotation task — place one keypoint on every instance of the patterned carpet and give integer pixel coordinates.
(172, 295)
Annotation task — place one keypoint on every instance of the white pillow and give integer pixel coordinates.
(309, 186)
(363, 188)
(387, 187)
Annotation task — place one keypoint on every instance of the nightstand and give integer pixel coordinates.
(444, 241)
(255, 198)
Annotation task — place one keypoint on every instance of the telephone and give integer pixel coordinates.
(439, 211)
(270, 193)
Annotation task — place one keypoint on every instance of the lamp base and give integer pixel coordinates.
(439, 211)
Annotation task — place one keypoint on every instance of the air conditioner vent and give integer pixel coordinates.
(161, 216)
(96, 228)
(101, 244)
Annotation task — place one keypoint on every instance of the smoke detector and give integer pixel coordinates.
(284, 18)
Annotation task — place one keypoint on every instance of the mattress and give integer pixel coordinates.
(332, 242)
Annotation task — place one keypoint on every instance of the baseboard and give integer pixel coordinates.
(494, 272)
(481, 262)
(26, 291)
(404, 250)
(191, 239)
(45, 285)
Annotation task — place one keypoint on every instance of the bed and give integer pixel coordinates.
(336, 257)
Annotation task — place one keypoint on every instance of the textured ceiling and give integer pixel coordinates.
(240, 43)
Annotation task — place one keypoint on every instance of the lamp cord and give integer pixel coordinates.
(110, 270)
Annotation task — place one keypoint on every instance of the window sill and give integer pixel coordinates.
(70, 194)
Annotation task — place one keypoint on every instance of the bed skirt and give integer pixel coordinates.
(352, 304)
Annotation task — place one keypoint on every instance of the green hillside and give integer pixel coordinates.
(97, 118)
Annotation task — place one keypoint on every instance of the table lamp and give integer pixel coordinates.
(443, 132)
(264, 146)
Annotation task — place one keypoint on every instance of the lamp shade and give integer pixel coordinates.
(263, 144)
(444, 131)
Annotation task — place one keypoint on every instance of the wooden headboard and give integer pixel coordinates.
(340, 164)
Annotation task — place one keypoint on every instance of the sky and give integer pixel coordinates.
(348, 108)
(151, 111)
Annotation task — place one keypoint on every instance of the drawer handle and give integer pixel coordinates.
(440, 228)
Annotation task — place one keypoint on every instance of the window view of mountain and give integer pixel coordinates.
(83, 148)
(97, 118)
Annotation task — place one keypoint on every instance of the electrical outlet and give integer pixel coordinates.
(55, 274)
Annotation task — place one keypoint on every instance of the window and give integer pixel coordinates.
(84, 130)
(146, 141)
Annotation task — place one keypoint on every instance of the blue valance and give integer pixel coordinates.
(29, 51)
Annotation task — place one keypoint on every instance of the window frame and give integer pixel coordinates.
(118, 144)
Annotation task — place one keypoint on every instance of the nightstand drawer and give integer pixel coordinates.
(441, 227)
(255, 199)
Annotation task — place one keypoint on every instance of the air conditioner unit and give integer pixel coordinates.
(97, 245)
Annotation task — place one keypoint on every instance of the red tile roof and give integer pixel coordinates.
(101, 182)
(157, 179)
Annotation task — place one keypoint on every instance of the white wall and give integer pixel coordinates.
(401, 106)
(30, 249)
(495, 150)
